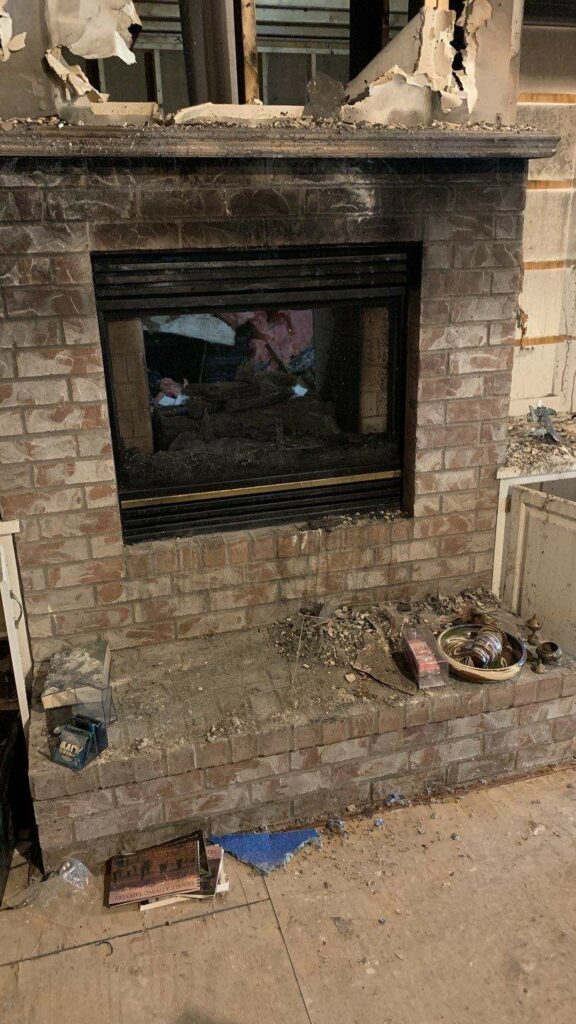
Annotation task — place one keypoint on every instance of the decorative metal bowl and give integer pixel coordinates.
(507, 666)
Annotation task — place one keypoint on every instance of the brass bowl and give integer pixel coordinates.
(508, 666)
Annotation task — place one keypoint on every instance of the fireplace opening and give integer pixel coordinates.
(256, 386)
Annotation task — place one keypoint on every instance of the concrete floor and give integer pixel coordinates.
(460, 910)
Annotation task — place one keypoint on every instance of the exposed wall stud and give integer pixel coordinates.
(250, 51)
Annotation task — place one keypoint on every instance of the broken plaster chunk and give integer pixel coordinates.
(251, 113)
(325, 98)
(9, 43)
(395, 102)
(108, 28)
(87, 112)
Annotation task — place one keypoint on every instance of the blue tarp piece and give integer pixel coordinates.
(266, 851)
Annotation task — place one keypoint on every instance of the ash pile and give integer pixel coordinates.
(336, 636)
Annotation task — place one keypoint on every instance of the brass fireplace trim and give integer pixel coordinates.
(291, 485)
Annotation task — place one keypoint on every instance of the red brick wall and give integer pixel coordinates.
(57, 472)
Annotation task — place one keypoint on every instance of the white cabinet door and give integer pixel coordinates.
(15, 624)
(540, 562)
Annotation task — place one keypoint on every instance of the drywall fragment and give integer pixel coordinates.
(9, 43)
(94, 28)
(325, 98)
(87, 112)
(72, 78)
(251, 113)
(394, 102)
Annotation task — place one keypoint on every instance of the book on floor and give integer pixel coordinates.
(217, 883)
(179, 867)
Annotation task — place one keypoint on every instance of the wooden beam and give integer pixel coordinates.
(192, 20)
(249, 50)
(369, 31)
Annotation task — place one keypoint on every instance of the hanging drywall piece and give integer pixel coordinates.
(245, 113)
(9, 43)
(72, 78)
(94, 29)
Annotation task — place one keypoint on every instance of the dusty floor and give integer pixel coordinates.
(460, 910)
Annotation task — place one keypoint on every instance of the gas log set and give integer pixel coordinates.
(240, 429)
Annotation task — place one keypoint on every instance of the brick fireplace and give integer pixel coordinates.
(458, 202)
(454, 200)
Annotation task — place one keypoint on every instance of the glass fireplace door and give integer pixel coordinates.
(254, 388)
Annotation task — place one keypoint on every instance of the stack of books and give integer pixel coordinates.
(184, 869)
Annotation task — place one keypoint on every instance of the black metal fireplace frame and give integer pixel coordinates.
(128, 284)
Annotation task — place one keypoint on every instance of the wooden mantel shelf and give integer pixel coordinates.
(243, 142)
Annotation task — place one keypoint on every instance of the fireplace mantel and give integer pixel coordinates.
(226, 142)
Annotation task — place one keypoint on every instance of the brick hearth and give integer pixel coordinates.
(58, 477)
(286, 773)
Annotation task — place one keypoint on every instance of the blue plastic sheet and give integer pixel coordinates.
(266, 851)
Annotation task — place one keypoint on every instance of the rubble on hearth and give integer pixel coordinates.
(333, 636)
(530, 453)
(164, 126)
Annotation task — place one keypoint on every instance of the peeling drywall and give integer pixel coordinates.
(72, 78)
(250, 113)
(424, 55)
(10, 42)
(94, 28)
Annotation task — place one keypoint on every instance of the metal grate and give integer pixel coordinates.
(205, 280)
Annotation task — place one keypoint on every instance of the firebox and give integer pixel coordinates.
(254, 386)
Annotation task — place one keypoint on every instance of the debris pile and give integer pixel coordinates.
(328, 641)
(335, 637)
(529, 447)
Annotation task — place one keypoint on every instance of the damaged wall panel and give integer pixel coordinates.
(25, 88)
(91, 29)
(94, 28)
(497, 63)
(37, 77)
(464, 64)
(10, 41)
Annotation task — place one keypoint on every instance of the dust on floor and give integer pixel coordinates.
(457, 910)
